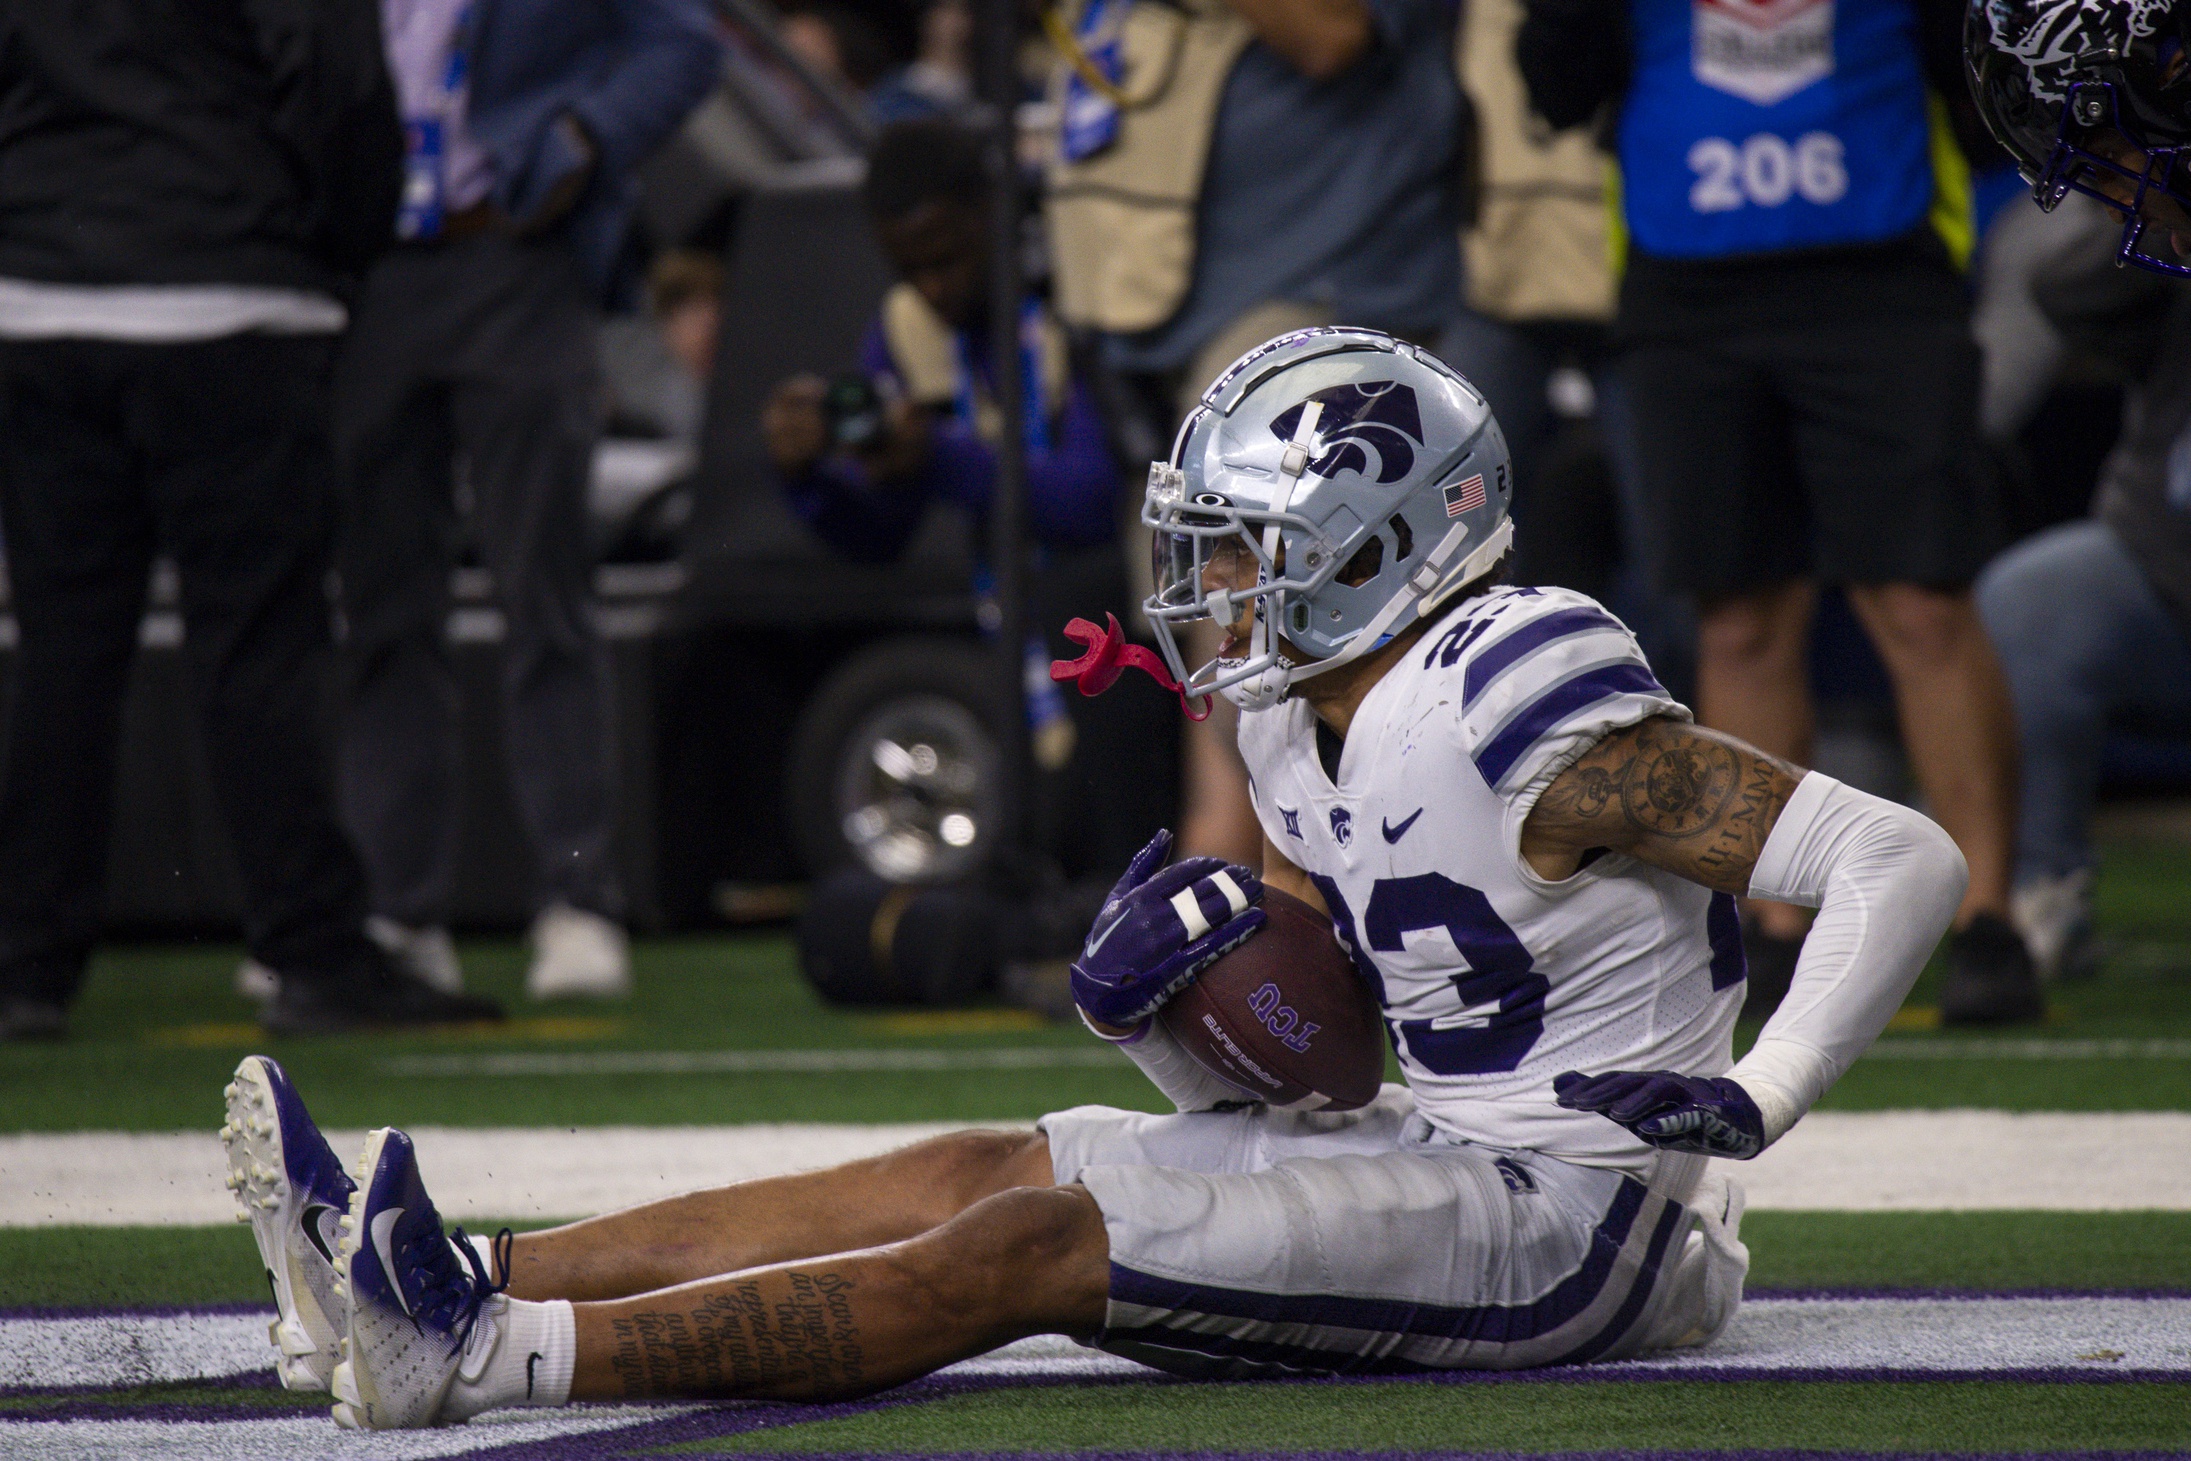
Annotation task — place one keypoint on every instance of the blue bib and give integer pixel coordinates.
(1755, 126)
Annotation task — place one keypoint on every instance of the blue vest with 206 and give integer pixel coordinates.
(1755, 126)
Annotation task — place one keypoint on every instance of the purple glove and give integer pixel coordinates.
(1710, 1116)
(1158, 930)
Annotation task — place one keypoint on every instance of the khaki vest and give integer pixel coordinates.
(1539, 248)
(1122, 222)
(926, 357)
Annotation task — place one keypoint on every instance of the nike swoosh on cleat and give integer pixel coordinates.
(384, 1227)
(312, 1233)
(1394, 834)
(530, 1360)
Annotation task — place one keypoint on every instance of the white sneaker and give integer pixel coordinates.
(256, 982)
(2054, 916)
(417, 1297)
(291, 1188)
(428, 954)
(577, 954)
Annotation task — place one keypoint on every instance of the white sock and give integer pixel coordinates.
(520, 1353)
(483, 1245)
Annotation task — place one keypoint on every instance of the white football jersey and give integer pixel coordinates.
(1493, 980)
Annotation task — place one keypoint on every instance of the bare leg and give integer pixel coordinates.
(1030, 1261)
(1753, 681)
(776, 1219)
(1956, 723)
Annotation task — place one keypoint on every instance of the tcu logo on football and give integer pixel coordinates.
(1282, 1020)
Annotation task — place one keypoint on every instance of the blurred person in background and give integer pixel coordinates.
(2093, 618)
(1229, 170)
(939, 80)
(863, 457)
(476, 338)
(1803, 387)
(185, 202)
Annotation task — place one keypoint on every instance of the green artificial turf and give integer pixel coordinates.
(160, 1028)
(1983, 1251)
(1942, 1416)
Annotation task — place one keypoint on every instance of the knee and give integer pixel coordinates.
(1918, 626)
(1027, 1260)
(1753, 630)
(968, 1166)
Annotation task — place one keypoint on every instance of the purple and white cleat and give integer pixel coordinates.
(416, 1297)
(293, 1191)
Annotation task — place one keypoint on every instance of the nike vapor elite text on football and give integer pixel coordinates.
(293, 1191)
(416, 1297)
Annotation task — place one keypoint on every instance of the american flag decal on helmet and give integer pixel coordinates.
(1464, 496)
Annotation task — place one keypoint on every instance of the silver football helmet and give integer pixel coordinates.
(1338, 484)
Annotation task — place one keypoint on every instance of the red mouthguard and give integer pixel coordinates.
(1109, 656)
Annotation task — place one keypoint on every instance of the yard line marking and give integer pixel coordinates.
(751, 1062)
(2029, 1049)
(1768, 1336)
(1861, 1161)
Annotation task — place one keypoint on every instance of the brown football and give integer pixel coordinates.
(1284, 1018)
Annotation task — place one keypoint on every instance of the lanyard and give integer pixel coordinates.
(1088, 119)
(1035, 429)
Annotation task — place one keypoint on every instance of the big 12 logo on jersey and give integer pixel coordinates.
(1761, 50)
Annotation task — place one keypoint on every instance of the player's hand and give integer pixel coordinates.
(1710, 1116)
(1158, 930)
(794, 427)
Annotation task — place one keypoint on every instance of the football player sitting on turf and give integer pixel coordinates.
(1532, 856)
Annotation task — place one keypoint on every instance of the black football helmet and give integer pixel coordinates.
(2052, 76)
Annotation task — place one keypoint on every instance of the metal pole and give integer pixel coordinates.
(998, 28)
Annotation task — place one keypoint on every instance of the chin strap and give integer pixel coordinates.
(1109, 656)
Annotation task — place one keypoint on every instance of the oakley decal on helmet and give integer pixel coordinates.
(2058, 80)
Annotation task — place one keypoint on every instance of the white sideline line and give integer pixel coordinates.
(1847, 1161)
(750, 1062)
(538, 1063)
(2015, 1333)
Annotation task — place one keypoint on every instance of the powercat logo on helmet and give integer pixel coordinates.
(1373, 428)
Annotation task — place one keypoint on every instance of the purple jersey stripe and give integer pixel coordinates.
(1488, 1323)
(1500, 653)
(1723, 926)
(1497, 756)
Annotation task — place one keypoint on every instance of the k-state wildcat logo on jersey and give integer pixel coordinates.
(1761, 50)
(1373, 428)
(1342, 825)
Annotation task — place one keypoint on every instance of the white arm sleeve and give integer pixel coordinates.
(1885, 882)
(1169, 1067)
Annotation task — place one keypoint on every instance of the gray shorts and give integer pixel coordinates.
(1261, 1242)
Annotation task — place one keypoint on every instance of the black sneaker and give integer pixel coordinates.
(1990, 979)
(1772, 965)
(32, 1019)
(371, 995)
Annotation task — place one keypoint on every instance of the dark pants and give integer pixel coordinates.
(482, 350)
(215, 453)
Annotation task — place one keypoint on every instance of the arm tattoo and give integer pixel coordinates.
(1674, 795)
(742, 1341)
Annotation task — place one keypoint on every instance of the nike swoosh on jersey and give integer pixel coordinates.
(312, 1233)
(384, 1227)
(1392, 833)
(530, 1360)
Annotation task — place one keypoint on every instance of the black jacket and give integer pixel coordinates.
(195, 141)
